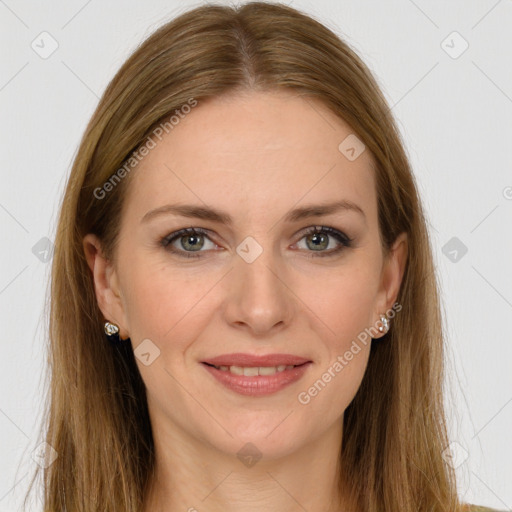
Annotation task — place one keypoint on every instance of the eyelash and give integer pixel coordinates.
(344, 240)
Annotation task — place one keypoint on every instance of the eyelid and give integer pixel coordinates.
(343, 240)
(326, 229)
(185, 231)
(169, 239)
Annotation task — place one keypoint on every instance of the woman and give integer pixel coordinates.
(244, 309)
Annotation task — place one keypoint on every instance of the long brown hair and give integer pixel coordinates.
(97, 418)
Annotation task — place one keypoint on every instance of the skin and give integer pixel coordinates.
(255, 156)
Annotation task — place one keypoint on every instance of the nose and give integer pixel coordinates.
(258, 297)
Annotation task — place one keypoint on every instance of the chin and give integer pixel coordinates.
(264, 433)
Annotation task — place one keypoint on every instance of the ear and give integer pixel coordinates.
(106, 284)
(391, 276)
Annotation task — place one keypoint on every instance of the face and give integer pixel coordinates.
(264, 271)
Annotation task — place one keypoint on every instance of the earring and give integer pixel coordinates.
(112, 331)
(385, 324)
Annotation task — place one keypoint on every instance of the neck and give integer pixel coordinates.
(191, 476)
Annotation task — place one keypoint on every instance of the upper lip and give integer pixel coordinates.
(251, 361)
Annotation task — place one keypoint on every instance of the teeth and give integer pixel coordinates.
(237, 370)
(254, 371)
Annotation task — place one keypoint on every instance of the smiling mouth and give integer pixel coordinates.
(257, 381)
(254, 371)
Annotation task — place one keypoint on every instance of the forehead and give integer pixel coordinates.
(257, 151)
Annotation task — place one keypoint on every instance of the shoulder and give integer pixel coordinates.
(476, 508)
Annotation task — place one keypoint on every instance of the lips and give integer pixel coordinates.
(254, 376)
(252, 361)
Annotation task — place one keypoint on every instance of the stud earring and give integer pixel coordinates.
(112, 331)
(384, 328)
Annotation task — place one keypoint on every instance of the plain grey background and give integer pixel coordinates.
(445, 67)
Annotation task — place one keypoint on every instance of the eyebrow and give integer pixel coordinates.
(212, 214)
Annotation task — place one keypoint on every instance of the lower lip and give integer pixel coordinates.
(259, 385)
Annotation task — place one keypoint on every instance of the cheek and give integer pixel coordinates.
(346, 308)
(160, 301)
(346, 304)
